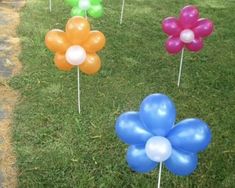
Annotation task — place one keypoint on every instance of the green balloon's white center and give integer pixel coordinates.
(187, 36)
(84, 4)
(158, 148)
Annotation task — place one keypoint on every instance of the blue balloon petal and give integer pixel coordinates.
(131, 130)
(181, 163)
(158, 113)
(192, 135)
(137, 159)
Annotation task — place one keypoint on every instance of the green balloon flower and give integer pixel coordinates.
(96, 11)
(96, 1)
(93, 8)
(76, 11)
(73, 3)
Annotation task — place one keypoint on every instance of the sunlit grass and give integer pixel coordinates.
(57, 147)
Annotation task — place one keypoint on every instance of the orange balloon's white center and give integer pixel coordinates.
(75, 55)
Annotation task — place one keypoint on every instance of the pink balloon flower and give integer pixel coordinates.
(186, 31)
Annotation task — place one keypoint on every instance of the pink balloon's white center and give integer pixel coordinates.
(187, 36)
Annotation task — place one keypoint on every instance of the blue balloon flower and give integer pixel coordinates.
(153, 137)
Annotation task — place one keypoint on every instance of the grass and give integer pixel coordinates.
(57, 147)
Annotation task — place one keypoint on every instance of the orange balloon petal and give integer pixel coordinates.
(77, 29)
(91, 65)
(95, 42)
(61, 63)
(56, 41)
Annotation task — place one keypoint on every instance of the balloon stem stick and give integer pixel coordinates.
(122, 11)
(79, 101)
(159, 175)
(50, 5)
(85, 14)
(181, 65)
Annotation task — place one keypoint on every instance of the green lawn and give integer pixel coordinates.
(57, 147)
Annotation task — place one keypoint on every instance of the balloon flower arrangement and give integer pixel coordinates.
(187, 31)
(154, 139)
(76, 47)
(93, 8)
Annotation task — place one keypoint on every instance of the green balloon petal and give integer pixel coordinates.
(72, 3)
(95, 2)
(76, 11)
(96, 11)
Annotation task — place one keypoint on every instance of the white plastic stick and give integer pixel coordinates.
(86, 14)
(50, 5)
(79, 101)
(181, 65)
(159, 175)
(122, 11)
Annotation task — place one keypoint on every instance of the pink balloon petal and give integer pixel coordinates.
(171, 26)
(196, 45)
(203, 28)
(189, 16)
(174, 45)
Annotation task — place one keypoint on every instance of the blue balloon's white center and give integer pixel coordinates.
(187, 36)
(158, 148)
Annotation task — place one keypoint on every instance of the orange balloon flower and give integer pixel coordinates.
(91, 65)
(77, 46)
(61, 63)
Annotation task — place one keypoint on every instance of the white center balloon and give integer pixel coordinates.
(158, 149)
(84, 4)
(75, 55)
(187, 36)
